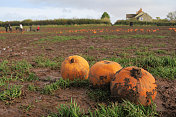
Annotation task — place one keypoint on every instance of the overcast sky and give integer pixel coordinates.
(54, 9)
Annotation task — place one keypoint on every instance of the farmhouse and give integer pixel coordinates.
(140, 16)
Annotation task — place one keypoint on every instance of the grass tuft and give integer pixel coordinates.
(10, 93)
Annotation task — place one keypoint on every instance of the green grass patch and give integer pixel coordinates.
(161, 51)
(72, 110)
(160, 66)
(107, 37)
(91, 59)
(138, 36)
(60, 38)
(10, 92)
(4, 68)
(99, 95)
(26, 107)
(20, 69)
(144, 53)
(32, 77)
(91, 47)
(32, 87)
(42, 61)
(50, 88)
(125, 109)
(2, 37)
(161, 45)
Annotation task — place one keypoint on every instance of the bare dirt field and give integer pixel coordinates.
(94, 43)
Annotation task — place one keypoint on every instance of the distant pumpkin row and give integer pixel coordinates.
(131, 83)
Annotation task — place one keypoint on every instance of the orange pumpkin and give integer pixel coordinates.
(75, 67)
(102, 72)
(134, 84)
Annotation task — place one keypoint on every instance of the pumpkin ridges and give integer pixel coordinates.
(74, 67)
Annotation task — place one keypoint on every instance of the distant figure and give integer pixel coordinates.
(131, 24)
(10, 28)
(6, 28)
(38, 28)
(30, 28)
(17, 28)
(21, 27)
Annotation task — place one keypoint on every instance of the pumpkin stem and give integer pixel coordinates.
(106, 62)
(136, 73)
(72, 60)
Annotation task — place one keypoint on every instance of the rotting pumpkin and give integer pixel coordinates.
(134, 84)
(75, 67)
(102, 72)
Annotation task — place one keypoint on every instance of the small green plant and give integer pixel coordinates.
(91, 47)
(48, 89)
(32, 77)
(73, 110)
(26, 107)
(10, 93)
(20, 69)
(42, 61)
(32, 87)
(4, 68)
(2, 81)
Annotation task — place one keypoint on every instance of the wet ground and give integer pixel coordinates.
(16, 46)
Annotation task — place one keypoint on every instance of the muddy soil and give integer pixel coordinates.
(17, 46)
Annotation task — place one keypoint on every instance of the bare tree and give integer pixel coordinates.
(171, 15)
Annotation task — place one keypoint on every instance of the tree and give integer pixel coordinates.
(171, 15)
(105, 16)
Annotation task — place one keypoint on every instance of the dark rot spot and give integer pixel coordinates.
(103, 77)
(72, 60)
(113, 79)
(148, 101)
(106, 62)
(136, 73)
(127, 80)
(127, 83)
(149, 94)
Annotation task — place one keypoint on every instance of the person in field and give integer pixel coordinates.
(21, 27)
(30, 28)
(10, 28)
(6, 28)
(38, 28)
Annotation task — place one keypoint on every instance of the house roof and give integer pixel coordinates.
(139, 14)
(130, 15)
